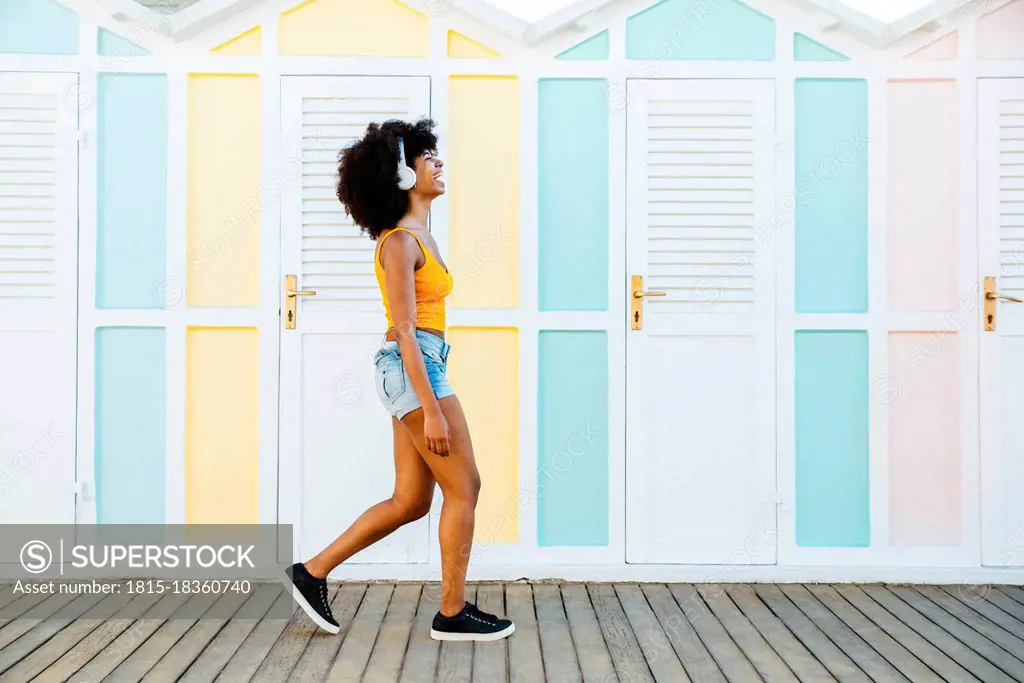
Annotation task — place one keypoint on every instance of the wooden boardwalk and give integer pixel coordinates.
(597, 633)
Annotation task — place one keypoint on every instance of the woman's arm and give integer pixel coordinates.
(399, 256)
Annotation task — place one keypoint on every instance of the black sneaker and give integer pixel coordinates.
(311, 595)
(470, 624)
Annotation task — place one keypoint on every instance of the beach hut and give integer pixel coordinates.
(824, 392)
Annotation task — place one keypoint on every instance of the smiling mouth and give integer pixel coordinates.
(439, 177)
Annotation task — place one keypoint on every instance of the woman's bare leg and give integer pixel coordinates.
(414, 491)
(460, 485)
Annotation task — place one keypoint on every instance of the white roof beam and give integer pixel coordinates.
(505, 22)
(581, 16)
(128, 11)
(826, 21)
(204, 14)
(578, 16)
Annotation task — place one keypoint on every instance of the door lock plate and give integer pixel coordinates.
(290, 302)
(990, 304)
(992, 298)
(636, 303)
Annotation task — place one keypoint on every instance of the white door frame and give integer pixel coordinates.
(24, 315)
(760, 546)
(289, 407)
(1002, 545)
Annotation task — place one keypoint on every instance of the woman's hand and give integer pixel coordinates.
(435, 433)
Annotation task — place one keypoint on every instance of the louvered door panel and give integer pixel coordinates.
(38, 299)
(1011, 194)
(337, 259)
(700, 389)
(29, 139)
(701, 183)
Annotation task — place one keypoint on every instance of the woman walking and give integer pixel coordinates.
(389, 198)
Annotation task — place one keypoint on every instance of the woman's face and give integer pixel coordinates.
(429, 176)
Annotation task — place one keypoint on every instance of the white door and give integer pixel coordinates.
(700, 406)
(38, 297)
(336, 440)
(1001, 248)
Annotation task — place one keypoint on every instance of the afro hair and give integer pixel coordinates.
(367, 172)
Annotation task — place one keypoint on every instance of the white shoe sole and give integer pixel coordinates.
(477, 637)
(307, 608)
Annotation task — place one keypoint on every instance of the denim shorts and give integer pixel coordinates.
(394, 388)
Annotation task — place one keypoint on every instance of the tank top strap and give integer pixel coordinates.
(427, 254)
(382, 240)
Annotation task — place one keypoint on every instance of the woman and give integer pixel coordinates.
(390, 200)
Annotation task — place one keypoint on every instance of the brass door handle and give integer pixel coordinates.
(291, 300)
(991, 297)
(636, 308)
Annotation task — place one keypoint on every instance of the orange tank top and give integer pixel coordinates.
(433, 284)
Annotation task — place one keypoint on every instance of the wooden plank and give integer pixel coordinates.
(421, 656)
(139, 662)
(654, 643)
(830, 656)
(1005, 603)
(45, 629)
(216, 656)
(629, 660)
(7, 595)
(173, 665)
(277, 663)
(797, 657)
(969, 593)
(385, 664)
(936, 660)
(695, 658)
(133, 637)
(954, 649)
(249, 657)
(21, 604)
(360, 638)
(94, 643)
(48, 652)
(1013, 592)
(490, 660)
(989, 621)
(455, 661)
(322, 650)
(908, 665)
(38, 611)
(555, 640)
(591, 650)
(990, 595)
(758, 651)
(966, 634)
(301, 633)
(873, 664)
(526, 663)
(727, 655)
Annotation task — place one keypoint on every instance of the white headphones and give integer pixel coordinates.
(406, 176)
